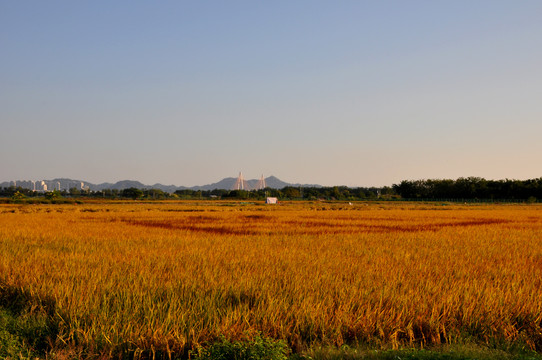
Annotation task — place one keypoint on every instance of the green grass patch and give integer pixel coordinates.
(27, 329)
(257, 349)
(12, 340)
(455, 352)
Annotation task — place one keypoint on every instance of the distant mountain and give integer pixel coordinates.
(66, 184)
(167, 188)
(228, 183)
(276, 183)
(120, 185)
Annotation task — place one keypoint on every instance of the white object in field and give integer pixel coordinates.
(271, 200)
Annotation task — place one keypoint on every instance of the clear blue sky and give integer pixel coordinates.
(356, 93)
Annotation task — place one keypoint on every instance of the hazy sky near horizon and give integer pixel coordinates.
(357, 93)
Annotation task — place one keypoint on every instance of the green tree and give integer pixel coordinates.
(51, 195)
(291, 192)
(155, 194)
(133, 193)
(18, 196)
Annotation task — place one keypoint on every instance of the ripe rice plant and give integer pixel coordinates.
(169, 277)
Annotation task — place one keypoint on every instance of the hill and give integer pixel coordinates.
(66, 184)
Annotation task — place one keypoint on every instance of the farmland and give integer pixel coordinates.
(168, 278)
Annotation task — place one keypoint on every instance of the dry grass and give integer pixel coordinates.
(173, 276)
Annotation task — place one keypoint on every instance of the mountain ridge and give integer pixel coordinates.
(66, 184)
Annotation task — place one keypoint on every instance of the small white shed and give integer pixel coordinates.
(271, 200)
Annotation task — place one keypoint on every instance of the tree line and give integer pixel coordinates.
(286, 193)
(471, 188)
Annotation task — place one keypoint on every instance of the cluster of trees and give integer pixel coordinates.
(462, 188)
(470, 188)
(133, 193)
(286, 193)
(291, 193)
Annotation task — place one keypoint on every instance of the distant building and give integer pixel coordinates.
(271, 200)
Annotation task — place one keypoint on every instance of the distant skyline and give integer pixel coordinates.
(356, 93)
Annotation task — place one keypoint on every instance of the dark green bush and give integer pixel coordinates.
(12, 345)
(257, 349)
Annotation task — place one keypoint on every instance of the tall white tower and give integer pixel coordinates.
(261, 183)
(240, 183)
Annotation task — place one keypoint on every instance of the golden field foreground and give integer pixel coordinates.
(170, 277)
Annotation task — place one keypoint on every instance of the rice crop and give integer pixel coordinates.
(171, 277)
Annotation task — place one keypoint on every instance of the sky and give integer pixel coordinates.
(356, 93)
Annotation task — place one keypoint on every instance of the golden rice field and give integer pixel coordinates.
(170, 277)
